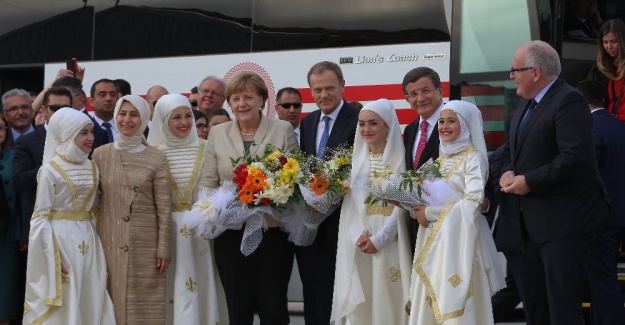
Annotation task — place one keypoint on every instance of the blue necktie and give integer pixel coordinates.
(526, 117)
(324, 136)
(109, 131)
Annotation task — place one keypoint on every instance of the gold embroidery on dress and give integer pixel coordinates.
(191, 285)
(26, 307)
(373, 210)
(395, 274)
(64, 278)
(185, 199)
(455, 280)
(184, 231)
(472, 199)
(70, 215)
(40, 215)
(83, 248)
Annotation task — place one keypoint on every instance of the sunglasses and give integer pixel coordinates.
(55, 108)
(288, 105)
(193, 103)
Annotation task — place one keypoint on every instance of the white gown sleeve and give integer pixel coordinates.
(388, 233)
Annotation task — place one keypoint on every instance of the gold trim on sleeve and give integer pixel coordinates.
(472, 199)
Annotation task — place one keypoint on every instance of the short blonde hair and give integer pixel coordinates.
(247, 81)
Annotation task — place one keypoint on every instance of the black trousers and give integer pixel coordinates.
(505, 301)
(554, 273)
(257, 282)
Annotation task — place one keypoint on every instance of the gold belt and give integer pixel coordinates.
(181, 207)
(70, 215)
(379, 210)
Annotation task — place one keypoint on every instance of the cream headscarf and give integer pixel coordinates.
(63, 128)
(471, 130)
(136, 142)
(160, 132)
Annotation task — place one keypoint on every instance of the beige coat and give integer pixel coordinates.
(134, 225)
(225, 142)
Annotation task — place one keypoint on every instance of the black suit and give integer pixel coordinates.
(26, 162)
(317, 262)
(609, 141)
(566, 206)
(430, 151)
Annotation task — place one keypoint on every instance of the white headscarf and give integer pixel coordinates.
(136, 142)
(471, 129)
(63, 128)
(160, 132)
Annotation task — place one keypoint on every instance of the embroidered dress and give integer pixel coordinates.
(455, 270)
(62, 232)
(372, 288)
(191, 278)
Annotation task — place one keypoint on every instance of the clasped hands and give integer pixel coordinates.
(512, 183)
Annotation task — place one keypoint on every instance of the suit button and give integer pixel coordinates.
(127, 218)
(124, 248)
(136, 188)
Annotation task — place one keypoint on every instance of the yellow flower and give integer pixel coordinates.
(274, 155)
(252, 169)
(291, 165)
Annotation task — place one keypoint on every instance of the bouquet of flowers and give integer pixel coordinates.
(261, 187)
(424, 186)
(321, 186)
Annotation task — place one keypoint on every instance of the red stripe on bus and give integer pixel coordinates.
(369, 92)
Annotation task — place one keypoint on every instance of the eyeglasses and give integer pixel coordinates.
(16, 108)
(211, 92)
(193, 103)
(202, 126)
(3, 127)
(513, 70)
(288, 105)
(422, 92)
(55, 108)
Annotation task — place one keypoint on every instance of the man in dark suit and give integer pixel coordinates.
(79, 103)
(553, 169)
(606, 305)
(333, 124)
(424, 92)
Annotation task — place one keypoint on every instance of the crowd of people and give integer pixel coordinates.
(92, 227)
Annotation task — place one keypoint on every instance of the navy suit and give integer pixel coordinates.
(607, 301)
(99, 134)
(566, 206)
(317, 262)
(430, 151)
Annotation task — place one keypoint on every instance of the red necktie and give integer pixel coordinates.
(422, 140)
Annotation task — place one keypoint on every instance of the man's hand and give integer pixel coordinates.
(506, 179)
(517, 186)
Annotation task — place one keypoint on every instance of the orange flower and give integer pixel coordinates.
(246, 195)
(319, 186)
(256, 181)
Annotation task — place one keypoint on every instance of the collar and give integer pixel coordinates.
(17, 134)
(334, 114)
(543, 91)
(100, 121)
(596, 109)
(432, 120)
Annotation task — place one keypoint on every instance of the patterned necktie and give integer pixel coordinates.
(324, 136)
(526, 117)
(422, 140)
(109, 132)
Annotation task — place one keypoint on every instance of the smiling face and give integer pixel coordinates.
(210, 95)
(610, 45)
(423, 97)
(448, 126)
(128, 120)
(372, 129)
(84, 139)
(246, 105)
(180, 121)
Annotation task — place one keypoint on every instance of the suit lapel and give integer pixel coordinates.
(430, 146)
(260, 135)
(235, 138)
(310, 138)
(339, 129)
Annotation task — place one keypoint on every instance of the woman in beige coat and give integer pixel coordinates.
(134, 222)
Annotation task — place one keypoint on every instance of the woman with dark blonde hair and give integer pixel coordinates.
(258, 281)
(611, 62)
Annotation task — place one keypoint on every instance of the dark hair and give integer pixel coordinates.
(57, 91)
(356, 104)
(605, 62)
(74, 84)
(197, 114)
(194, 90)
(92, 92)
(592, 91)
(244, 81)
(323, 66)
(8, 138)
(288, 90)
(418, 73)
(123, 86)
(216, 112)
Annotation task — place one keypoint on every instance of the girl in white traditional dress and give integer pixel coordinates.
(66, 275)
(373, 257)
(456, 271)
(191, 279)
